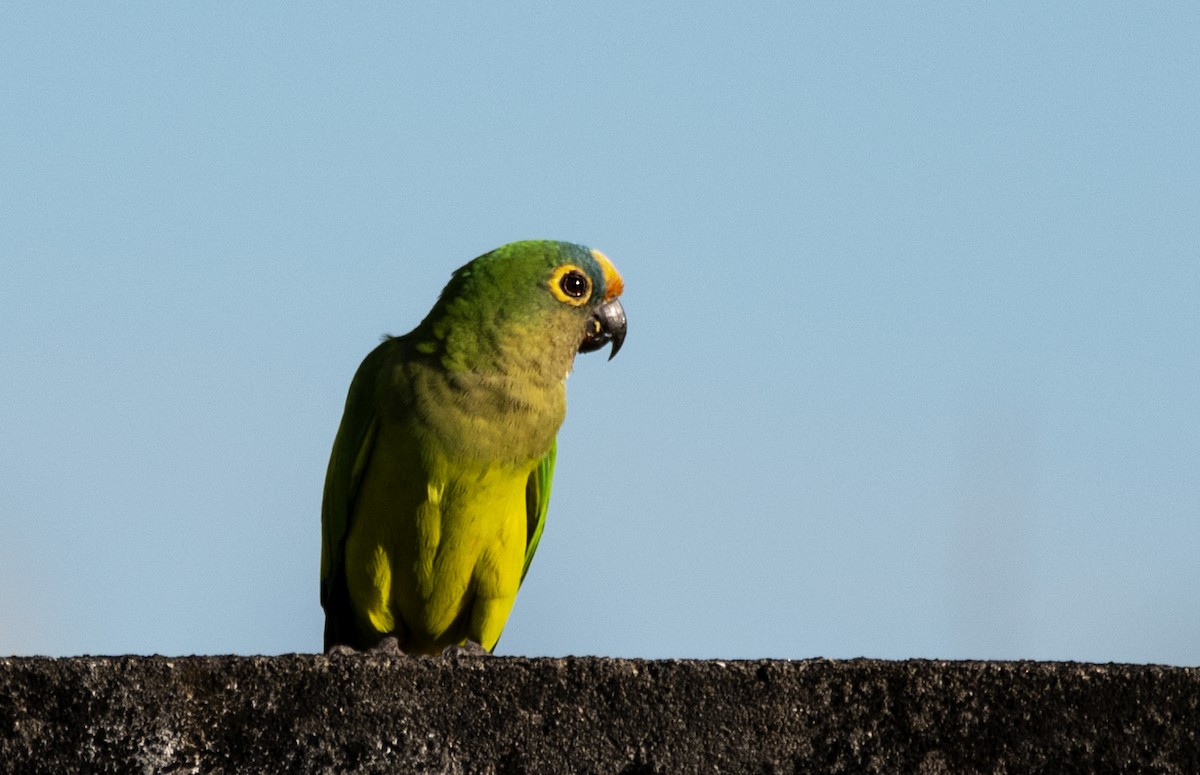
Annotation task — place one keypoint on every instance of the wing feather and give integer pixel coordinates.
(351, 453)
(537, 502)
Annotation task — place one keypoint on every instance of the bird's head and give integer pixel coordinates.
(553, 298)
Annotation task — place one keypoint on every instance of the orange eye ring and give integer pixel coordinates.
(571, 285)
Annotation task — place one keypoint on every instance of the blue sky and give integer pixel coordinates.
(912, 367)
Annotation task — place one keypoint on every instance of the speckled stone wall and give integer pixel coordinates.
(375, 713)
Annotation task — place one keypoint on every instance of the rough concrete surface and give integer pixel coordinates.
(377, 713)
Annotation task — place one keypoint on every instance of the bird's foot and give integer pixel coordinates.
(389, 646)
(468, 649)
(340, 650)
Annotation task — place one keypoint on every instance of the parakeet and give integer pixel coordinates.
(439, 479)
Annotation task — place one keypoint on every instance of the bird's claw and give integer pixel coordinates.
(388, 646)
(468, 649)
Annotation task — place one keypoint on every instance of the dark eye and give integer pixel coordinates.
(574, 284)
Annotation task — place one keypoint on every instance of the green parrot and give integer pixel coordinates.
(439, 480)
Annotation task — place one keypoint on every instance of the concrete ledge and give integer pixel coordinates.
(303, 713)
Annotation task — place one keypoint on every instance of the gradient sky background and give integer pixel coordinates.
(913, 363)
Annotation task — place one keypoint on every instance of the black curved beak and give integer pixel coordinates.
(607, 324)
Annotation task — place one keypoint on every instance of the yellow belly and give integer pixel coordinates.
(435, 557)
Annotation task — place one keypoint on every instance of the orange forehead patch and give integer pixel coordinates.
(613, 284)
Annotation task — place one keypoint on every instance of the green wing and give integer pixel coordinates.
(537, 501)
(351, 452)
